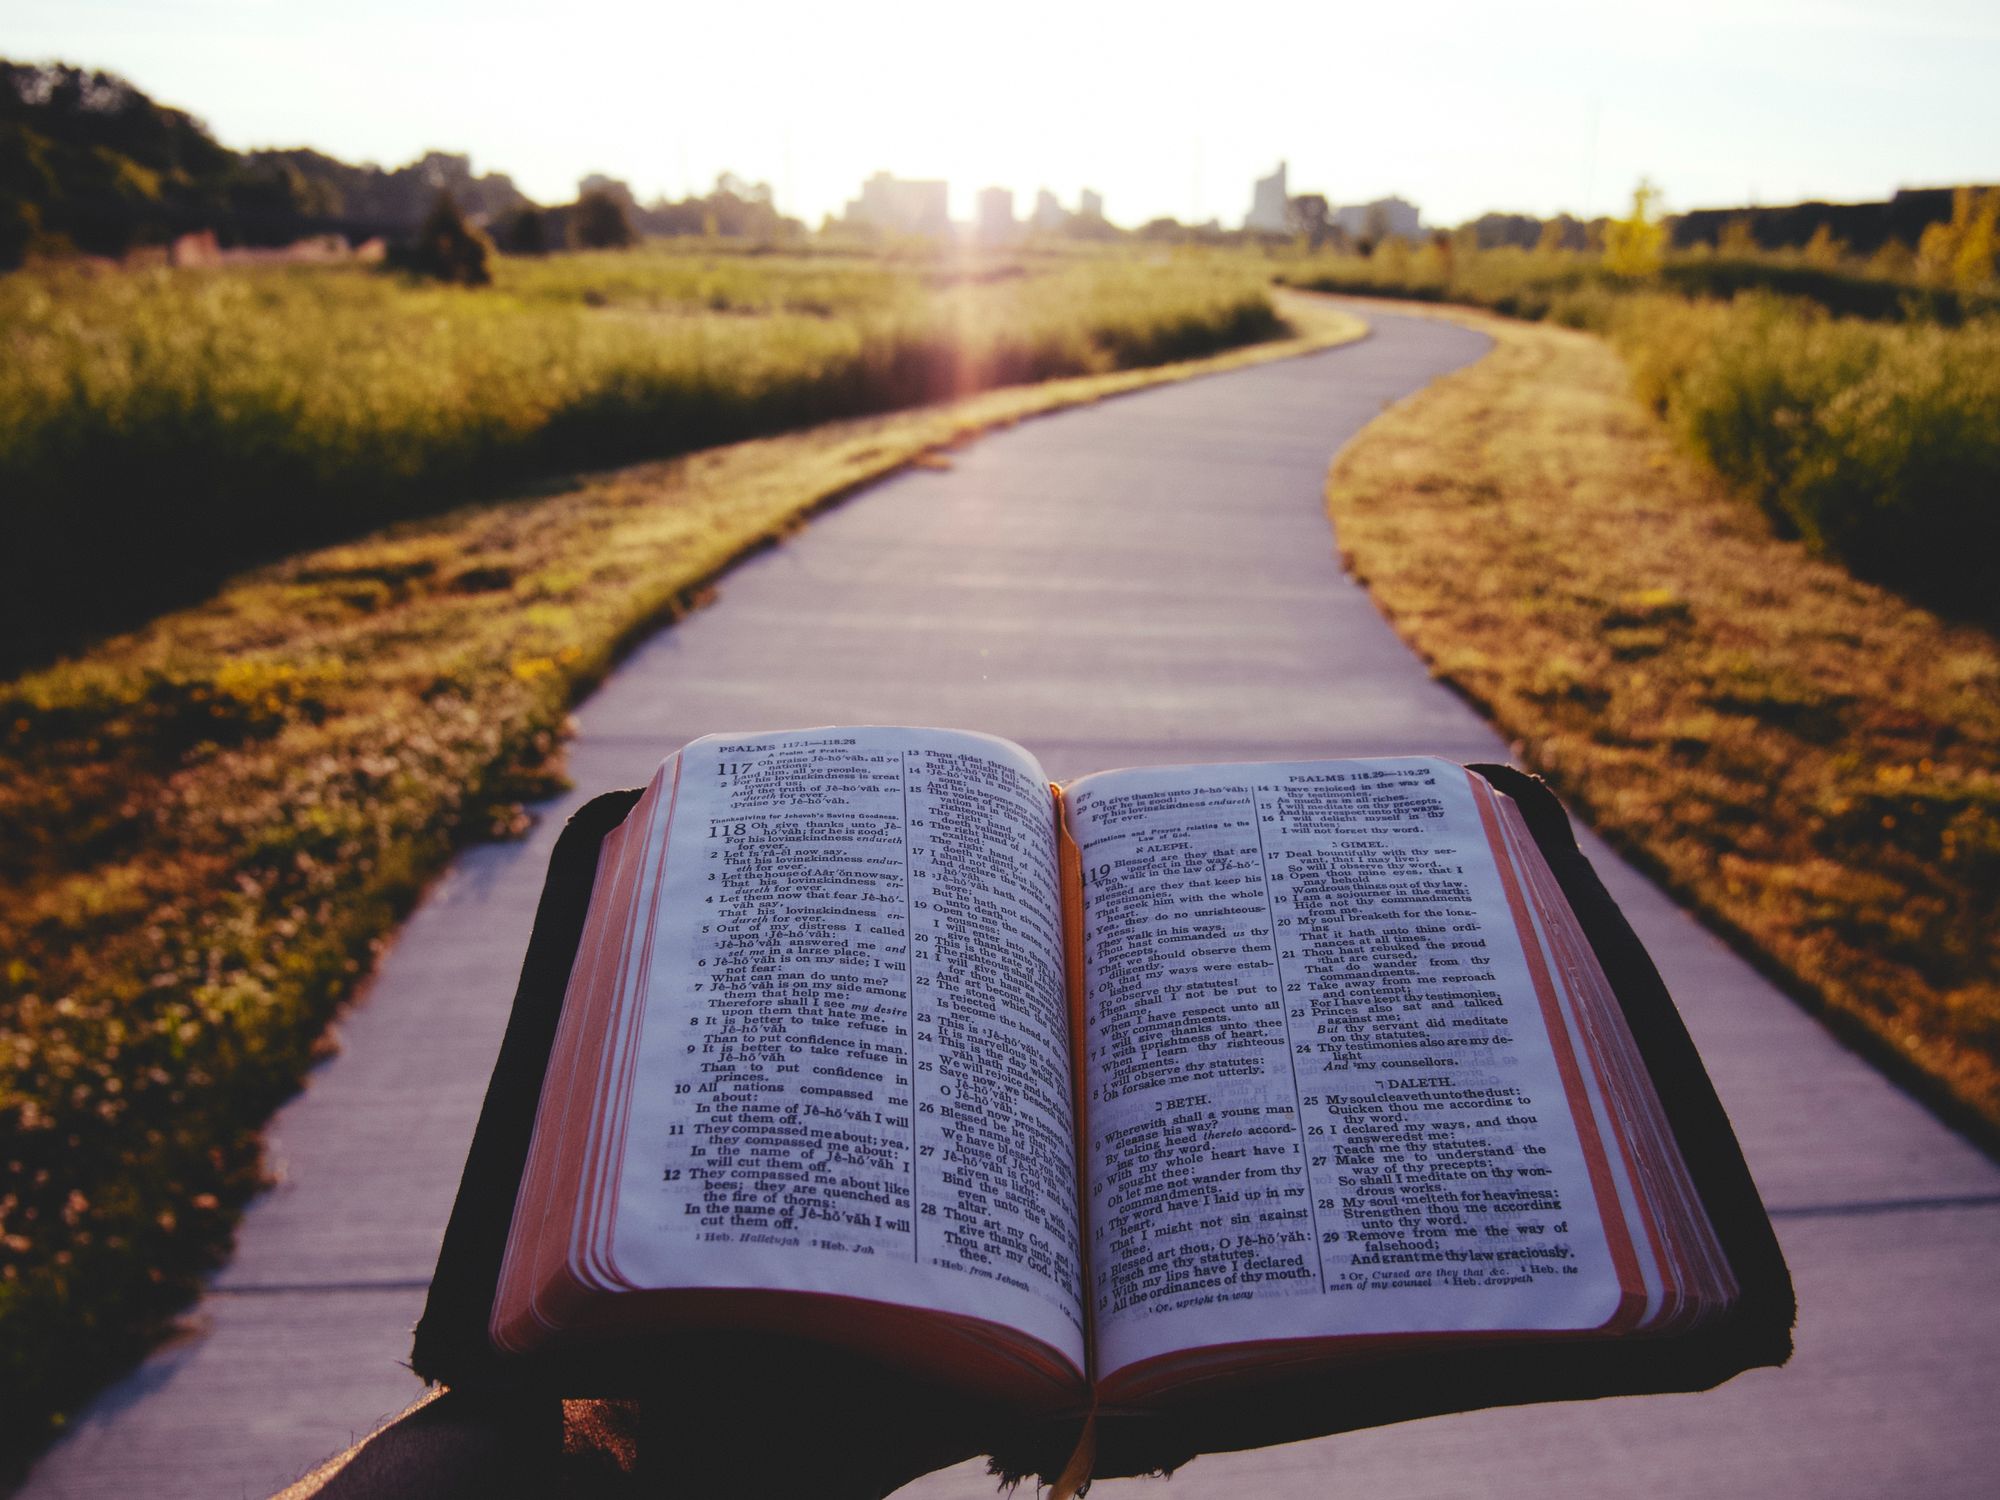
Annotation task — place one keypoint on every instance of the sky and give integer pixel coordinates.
(1166, 110)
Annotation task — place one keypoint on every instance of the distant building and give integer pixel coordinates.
(901, 206)
(1267, 204)
(728, 184)
(1048, 213)
(995, 223)
(1385, 218)
(1089, 204)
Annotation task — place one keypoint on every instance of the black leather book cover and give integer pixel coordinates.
(712, 1379)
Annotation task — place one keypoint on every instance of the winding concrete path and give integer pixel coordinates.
(1143, 581)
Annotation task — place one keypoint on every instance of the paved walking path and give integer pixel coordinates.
(1143, 581)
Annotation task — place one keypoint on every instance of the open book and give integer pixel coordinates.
(1174, 1079)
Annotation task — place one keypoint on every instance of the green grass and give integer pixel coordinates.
(207, 825)
(160, 429)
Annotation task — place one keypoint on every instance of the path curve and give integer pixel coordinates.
(1147, 580)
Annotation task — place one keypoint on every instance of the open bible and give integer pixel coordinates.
(1125, 1097)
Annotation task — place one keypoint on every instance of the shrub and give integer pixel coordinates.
(1961, 253)
(1636, 244)
(1879, 445)
(1877, 441)
(599, 222)
(449, 249)
(524, 231)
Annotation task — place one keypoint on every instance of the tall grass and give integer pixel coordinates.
(1578, 290)
(206, 824)
(1878, 444)
(1560, 286)
(158, 430)
(1861, 413)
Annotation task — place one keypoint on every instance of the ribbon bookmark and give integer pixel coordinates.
(1075, 1477)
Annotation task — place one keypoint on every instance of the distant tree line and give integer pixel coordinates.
(89, 163)
(1863, 227)
(303, 186)
(734, 208)
(1901, 236)
(607, 215)
(1526, 232)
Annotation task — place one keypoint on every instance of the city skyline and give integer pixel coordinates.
(1557, 108)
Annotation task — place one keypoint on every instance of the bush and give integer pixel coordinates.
(1636, 244)
(599, 222)
(1879, 445)
(1875, 436)
(524, 231)
(449, 249)
(1842, 292)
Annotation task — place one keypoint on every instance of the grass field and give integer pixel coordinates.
(1875, 443)
(206, 825)
(1575, 288)
(1860, 412)
(161, 429)
(209, 824)
(1808, 760)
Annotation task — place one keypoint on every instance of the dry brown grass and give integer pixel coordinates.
(1811, 762)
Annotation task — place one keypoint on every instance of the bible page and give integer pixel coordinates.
(853, 1060)
(1322, 1094)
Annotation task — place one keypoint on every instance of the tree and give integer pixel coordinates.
(1307, 215)
(1636, 244)
(277, 191)
(1892, 261)
(1824, 250)
(89, 162)
(599, 222)
(20, 228)
(523, 231)
(1438, 257)
(450, 249)
(1374, 227)
(1738, 239)
(1961, 253)
(610, 187)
